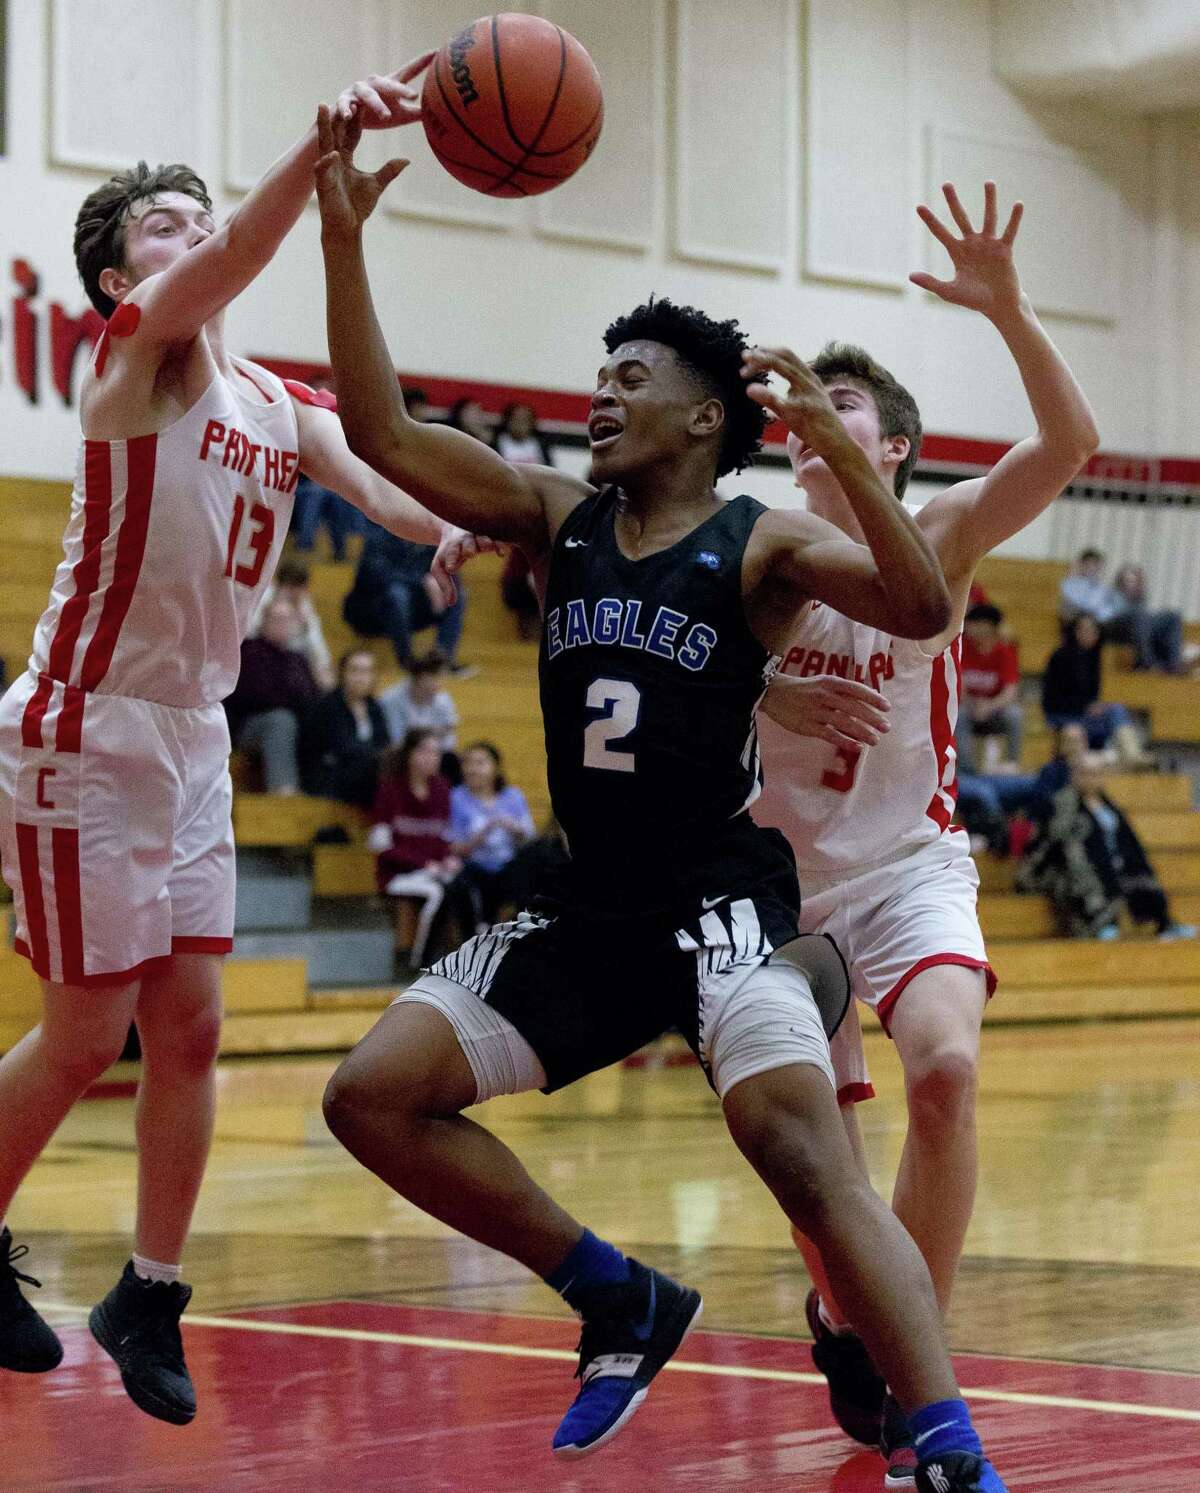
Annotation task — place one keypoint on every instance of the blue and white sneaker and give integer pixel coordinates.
(629, 1332)
(958, 1472)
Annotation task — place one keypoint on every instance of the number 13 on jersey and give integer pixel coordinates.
(258, 540)
(621, 703)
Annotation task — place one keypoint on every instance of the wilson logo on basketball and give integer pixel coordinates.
(460, 68)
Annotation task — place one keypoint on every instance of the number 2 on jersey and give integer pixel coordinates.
(621, 703)
(262, 536)
(841, 778)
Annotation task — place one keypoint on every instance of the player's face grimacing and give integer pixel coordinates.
(857, 411)
(646, 410)
(157, 233)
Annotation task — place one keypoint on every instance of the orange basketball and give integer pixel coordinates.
(512, 105)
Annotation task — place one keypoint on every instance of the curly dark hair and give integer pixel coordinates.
(712, 352)
(100, 223)
(898, 412)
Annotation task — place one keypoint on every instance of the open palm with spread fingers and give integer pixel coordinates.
(346, 195)
(985, 277)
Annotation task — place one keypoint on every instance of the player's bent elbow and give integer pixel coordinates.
(925, 616)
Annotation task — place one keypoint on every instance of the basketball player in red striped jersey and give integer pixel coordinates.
(114, 783)
(881, 868)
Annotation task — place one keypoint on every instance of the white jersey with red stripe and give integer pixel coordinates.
(172, 539)
(846, 809)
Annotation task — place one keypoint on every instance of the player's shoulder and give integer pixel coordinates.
(560, 495)
(308, 396)
(941, 513)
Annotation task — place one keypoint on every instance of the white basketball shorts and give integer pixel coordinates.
(115, 831)
(891, 923)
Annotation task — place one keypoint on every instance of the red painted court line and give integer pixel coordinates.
(281, 1411)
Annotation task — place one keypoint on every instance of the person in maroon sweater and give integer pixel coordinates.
(410, 834)
(275, 690)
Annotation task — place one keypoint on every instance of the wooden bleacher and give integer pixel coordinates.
(270, 1008)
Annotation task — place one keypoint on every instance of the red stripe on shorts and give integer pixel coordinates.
(35, 712)
(131, 548)
(931, 961)
(941, 805)
(65, 849)
(855, 1093)
(31, 893)
(97, 512)
(68, 734)
(187, 945)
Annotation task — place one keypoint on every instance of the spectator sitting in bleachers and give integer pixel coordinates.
(275, 690)
(1089, 862)
(344, 734)
(518, 437)
(422, 700)
(291, 584)
(991, 677)
(1157, 637)
(1071, 694)
(987, 801)
(394, 596)
(489, 822)
(1121, 610)
(410, 834)
(468, 415)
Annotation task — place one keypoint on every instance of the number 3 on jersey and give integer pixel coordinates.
(260, 539)
(621, 703)
(841, 777)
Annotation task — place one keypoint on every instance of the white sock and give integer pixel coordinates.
(154, 1270)
(839, 1329)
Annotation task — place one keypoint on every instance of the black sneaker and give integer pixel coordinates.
(856, 1389)
(137, 1325)
(958, 1472)
(27, 1344)
(897, 1447)
(629, 1332)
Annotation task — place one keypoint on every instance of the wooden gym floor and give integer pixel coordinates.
(342, 1340)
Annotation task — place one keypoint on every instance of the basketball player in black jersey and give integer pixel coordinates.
(665, 612)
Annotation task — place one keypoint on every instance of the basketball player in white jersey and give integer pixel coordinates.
(114, 783)
(881, 867)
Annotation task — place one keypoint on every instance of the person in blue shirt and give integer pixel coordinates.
(489, 823)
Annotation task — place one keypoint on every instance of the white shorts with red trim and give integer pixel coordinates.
(115, 831)
(891, 923)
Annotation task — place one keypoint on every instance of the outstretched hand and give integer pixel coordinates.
(346, 195)
(985, 277)
(805, 408)
(382, 102)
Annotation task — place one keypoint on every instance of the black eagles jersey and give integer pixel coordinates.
(650, 678)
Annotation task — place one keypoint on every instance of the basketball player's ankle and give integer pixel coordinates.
(831, 1320)
(154, 1270)
(592, 1262)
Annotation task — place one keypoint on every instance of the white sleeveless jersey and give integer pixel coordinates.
(845, 809)
(171, 541)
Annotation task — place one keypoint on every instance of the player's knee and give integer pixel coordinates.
(789, 1159)
(78, 1057)
(357, 1094)
(187, 1048)
(941, 1085)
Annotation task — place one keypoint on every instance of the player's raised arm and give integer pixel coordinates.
(454, 475)
(974, 516)
(175, 304)
(894, 581)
